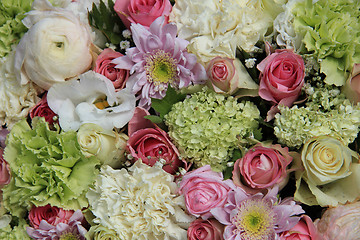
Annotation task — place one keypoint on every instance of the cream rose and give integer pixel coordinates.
(108, 146)
(330, 174)
(56, 47)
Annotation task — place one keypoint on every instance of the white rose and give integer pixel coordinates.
(56, 47)
(107, 146)
(330, 174)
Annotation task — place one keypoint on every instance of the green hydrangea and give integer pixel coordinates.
(331, 33)
(206, 127)
(11, 27)
(47, 167)
(327, 113)
(16, 232)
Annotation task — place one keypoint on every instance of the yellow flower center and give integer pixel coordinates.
(255, 220)
(101, 103)
(160, 67)
(69, 236)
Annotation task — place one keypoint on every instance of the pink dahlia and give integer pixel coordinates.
(61, 231)
(256, 217)
(158, 59)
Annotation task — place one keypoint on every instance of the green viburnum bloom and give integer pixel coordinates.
(327, 113)
(47, 167)
(331, 33)
(11, 27)
(207, 127)
(99, 232)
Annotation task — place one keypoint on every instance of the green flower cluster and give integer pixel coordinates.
(11, 27)
(99, 232)
(331, 34)
(16, 232)
(326, 113)
(47, 167)
(207, 127)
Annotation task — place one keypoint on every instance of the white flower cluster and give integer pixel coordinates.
(217, 27)
(15, 100)
(140, 203)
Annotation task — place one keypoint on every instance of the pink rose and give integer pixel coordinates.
(228, 75)
(52, 215)
(104, 66)
(352, 85)
(5, 176)
(209, 229)
(151, 144)
(262, 167)
(303, 230)
(42, 109)
(281, 78)
(142, 11)
(203, 190)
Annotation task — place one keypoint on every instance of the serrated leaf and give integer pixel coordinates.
(163, 106)
(227, 173)
(236, 155)
(154, 119)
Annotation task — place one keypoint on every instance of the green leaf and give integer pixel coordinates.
(163, 106)
(154, 119)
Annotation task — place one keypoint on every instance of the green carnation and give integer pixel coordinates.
(47, 167)
(331, 33)
(11, 27)
(99, 232)
(15, 232)
(326, 113)
(207, 127)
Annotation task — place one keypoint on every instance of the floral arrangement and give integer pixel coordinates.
(173, 120)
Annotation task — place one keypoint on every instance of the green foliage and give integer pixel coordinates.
(163, 106)
(105, 19)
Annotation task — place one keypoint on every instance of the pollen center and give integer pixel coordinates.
(160, 67)
(255, 220)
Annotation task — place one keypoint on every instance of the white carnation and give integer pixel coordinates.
(140, 203)
(15, 100)
(217, 27)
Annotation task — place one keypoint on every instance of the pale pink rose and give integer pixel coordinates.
(104, 66)
(262, 167)
(229, 75)
(42, 109)
(5, 176)
(340, 223)
(52, 215)
(281, 78)
(352, 85)
(151, 144)
(220, 72)
(203, 190)
(209, 229)
(142, 11)
(303, 230)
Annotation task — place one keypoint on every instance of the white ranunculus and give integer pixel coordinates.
(139, 203)
(91, 99)
(107, 146)
(56, 47)
(15, 100)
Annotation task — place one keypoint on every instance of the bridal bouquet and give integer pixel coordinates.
(186, 119)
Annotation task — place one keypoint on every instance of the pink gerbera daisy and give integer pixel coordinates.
(256, 217)
(159, 59)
